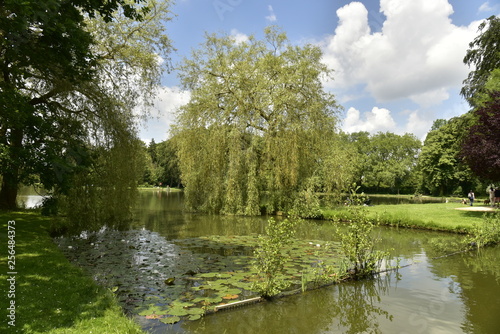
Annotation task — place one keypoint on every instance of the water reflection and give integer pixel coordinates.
(477, 274)
(431, 294)
(456, 294)
(29, 198)
(404, 199)
(347, 308)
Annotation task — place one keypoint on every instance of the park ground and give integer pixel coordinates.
(52, 295)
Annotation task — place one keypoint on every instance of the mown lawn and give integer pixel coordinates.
(435, 216)
(51, 294)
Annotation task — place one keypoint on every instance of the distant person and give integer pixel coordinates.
(471, 197)
(491, 193)
(497, 195)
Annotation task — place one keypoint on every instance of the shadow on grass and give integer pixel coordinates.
(50, 292)
(476, 214)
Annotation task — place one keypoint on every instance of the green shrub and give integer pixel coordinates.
(358, 245)
(270, 259)
(485, 233)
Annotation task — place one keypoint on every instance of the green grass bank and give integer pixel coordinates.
(432, 216)
(51, 295)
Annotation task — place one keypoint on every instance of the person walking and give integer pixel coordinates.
(471, 197)
(491, 192)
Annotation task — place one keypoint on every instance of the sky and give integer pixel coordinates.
(398, 64)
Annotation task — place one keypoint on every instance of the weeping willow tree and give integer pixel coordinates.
(73, 101)
(133, 55)
(259, 130)
(102, 190)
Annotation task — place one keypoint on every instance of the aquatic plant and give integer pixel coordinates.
(270, 259)
(485, 233)
(358, 245)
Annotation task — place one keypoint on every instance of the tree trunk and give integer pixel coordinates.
(8, 193)
(10, 177)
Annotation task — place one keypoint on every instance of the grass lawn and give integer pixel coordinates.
(51, 294)
(435, 216)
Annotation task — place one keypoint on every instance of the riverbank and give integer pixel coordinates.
(432, 216)
(51, 295)
(44, 291)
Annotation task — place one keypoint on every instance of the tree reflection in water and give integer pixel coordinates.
(353, 307)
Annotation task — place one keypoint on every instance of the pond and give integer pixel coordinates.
(29, 198)
(404, 199)
(156, 266)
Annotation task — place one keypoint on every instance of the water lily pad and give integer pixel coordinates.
(177, 311)
(196, 311)
(229, 297)
(194, 317)
(170, 320)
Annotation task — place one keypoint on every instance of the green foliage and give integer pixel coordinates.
(73, 72)
(104, 195)
(161, 165)
(491, 86)
(358, 242)
(354, 198)
(484, 56)
(358, 245)
(442, 171)
(386, 161)
(270, 259)
(485, 233)
(259, 126)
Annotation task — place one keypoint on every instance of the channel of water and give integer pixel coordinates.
(431, 294)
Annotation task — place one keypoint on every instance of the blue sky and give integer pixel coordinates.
(398, 63)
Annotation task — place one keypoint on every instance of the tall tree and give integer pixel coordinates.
(481, 146)
(168, 163)
(257, 125)
(441, 168)
(388, 160)
(71, 71)
(484, 55)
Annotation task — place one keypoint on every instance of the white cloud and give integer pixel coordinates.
(418, 53)
(378, 119)
(169, 99)
(238, 36)
(271, 17)
(430, 98)
(487, 7)
(381, 120)
(418, 124)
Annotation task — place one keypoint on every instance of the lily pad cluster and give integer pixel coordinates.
(183, 279)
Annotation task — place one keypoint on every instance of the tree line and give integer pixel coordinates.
(259, 134)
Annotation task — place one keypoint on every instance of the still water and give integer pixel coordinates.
(430, 294)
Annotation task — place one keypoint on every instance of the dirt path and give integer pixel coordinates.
(476, 208)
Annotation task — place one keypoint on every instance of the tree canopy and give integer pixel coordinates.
(442, 170)
(484, 55)
(258, 127)
(481, 147)
(387, 160)
(162, 164)
(72, 72)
